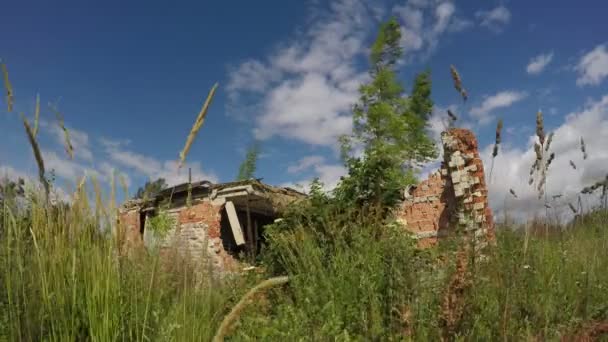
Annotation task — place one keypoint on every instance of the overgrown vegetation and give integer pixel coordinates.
(353, 273)
(249, 164)
(151, 188)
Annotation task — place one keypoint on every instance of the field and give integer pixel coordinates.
(338, 266)
(62, 279)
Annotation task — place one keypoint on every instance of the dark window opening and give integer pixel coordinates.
(254, 235)
(142, 223)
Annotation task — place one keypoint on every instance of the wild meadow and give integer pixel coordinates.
(336, 267)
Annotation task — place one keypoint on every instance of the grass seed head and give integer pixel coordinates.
(458, 83)
(37, 155)
(66, 133)
(452, 116)
(572, 164)
(583, 149)
(498, 138)
(513, 193)
(8, 87)
(196, 127)
(36, 115)
(549, 141)
(540, 128)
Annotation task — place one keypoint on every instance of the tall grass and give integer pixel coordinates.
(63, 280)
(354, 274)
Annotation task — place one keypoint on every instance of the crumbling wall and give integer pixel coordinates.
(197, 234)
(455, 198)
(129, 228)
(194, 236)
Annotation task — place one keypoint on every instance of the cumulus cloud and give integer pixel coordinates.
(329, 174)
(153, 168)
(310, 83)
(502, 99)
(593, 66)
(423, 23)
(305, 89)
(495, 19)
(305, 163)
(539, 63)
(78, 138)
(7, 171)
(512, 166)
(63, 166)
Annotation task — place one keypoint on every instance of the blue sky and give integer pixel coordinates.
(131, 77)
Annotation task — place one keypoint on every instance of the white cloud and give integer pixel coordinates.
(593, 66)
(252, 75)
(305, 89)
(539, 63)
(62, 166)
(310, 83)
(107, 170)
(502, 99)
(78, 139)
(305, 163)
(328, 174)
(511, 169)
(175, 176)
(7, 171)
(154, 168)
(423, 23)
(495, 19)
(139, 162)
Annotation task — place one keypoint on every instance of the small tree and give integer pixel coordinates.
(389, 126)
(248, 166)
(151, 188)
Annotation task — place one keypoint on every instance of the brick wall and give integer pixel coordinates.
(128, 228)
(454, 198)
(195, 235)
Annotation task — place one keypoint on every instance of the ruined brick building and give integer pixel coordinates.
(225, 221)
(219, 221)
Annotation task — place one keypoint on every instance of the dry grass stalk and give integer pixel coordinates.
(80, 186)
(549, 161)
(583, 149)
(540, 129)
(112, 192)
(99, 206)
(36, 115)
(549, 141)
(496, 144)
(572, 208)
(458, 83)
(498, 138)
(539, 156)
(8, 87)
(592, 188)
(452, 116)
(236, 311)
(196, 127)
(123, 184)
(68, 144)
(37, 155)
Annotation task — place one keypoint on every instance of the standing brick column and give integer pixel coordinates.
(455, 198)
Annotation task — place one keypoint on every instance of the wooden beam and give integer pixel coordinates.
(237, 231)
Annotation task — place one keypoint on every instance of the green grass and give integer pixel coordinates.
(62, 279)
